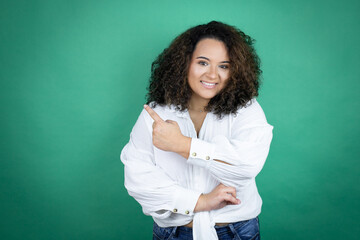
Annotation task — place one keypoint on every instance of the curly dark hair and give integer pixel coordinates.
(168, 82)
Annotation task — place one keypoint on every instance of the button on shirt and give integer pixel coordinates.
(168, 186)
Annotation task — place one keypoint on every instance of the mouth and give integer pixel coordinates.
(208, 84)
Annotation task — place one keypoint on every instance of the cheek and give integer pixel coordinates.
(191, 76)
(225, 76)
(196, 71)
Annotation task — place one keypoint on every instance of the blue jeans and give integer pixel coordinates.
(243, 230)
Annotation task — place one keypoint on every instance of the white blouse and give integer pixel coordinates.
(167, 186)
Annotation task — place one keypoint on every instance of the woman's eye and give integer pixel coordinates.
(224, 66)
(203, 63)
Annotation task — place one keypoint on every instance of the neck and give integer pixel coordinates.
(198, 104)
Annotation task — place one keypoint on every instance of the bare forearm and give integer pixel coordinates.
(216, 199)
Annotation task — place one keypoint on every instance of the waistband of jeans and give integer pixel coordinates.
(219, 229)
(232, 226)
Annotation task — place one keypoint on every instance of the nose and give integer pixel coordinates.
(212, 72)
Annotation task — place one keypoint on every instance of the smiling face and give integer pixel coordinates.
(208, 70)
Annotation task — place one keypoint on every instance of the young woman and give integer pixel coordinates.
(198, 145)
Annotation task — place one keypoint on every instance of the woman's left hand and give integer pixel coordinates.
(167, 135)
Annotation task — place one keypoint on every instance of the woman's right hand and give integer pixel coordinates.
(217, 198)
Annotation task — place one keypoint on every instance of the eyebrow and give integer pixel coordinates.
(209, 59)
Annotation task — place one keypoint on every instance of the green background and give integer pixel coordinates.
(73, 80)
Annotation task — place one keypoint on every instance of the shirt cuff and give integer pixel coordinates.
(201, 152)
(185, 201)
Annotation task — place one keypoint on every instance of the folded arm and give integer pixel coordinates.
(158, 194)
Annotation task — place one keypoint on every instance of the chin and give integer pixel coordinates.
(208, 97)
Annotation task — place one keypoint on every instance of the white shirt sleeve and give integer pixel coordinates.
(241, 156)
(158, 194)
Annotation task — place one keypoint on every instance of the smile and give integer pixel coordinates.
(208, 85)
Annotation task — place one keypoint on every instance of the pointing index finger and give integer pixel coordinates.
(153, 114)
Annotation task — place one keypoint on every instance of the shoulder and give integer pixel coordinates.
(164, 111)
(252, 112)
(251, 107)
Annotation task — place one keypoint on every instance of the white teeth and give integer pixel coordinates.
(208, 84)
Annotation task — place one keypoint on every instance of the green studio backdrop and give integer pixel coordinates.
(73, 80)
